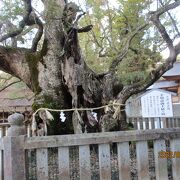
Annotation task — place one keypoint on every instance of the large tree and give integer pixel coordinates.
(55, 69)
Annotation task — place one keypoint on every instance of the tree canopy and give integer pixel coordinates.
(113, 23)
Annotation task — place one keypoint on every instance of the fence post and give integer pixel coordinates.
(1, 157)
(14, 152)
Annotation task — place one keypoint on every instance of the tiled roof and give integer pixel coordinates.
(15, 102)
(163, 84)
(16, 97)
(175, 71)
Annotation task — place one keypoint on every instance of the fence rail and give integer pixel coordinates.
(100, 138)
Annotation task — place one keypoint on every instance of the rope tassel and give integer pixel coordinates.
(77, 121)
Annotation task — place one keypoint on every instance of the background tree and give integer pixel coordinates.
(112, 25)
(54, 68)
(7, 80)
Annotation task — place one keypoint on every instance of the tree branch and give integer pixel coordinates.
(148, 81)
(5, 79)
(34, 19)
(124, 52)
(28, 9)
(85, 29)
(75, 24)
(14, 61)
(154, 17)
(10, 84)
(173, 21)
(154, 75)
(166, 8)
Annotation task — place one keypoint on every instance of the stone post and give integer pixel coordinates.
(14, 152)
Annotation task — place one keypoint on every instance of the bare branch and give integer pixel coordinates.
(173, 21)
(28, 9)
(5, 79)
(162, 30)
(85, 29)
(75, 24)
(155, 19)
(10, 84)
(124, 52)
(110, 24)
(108, 38)
(166, 8)
(34, 19)
(37, 38)
(96, 40)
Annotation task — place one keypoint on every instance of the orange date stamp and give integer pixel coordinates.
(169, 154)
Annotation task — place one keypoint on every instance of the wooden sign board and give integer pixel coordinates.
(156, 103)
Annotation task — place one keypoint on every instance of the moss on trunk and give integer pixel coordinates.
(32, 60)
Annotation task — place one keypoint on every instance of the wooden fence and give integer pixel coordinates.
(17, 152)
(154, 123)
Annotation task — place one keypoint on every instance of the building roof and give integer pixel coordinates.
(138, 97)
(163, 84)
(16, 98)
(175, 71)
(159, 90)
(15, 103)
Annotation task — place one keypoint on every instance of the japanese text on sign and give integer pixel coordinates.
(156, 104)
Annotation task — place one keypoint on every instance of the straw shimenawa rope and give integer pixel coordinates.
(78, 109)
(50, 117)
